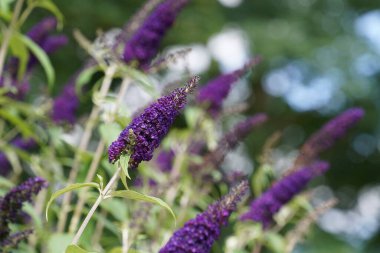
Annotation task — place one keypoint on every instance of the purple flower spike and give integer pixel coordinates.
(146, 131)
(11, 203)
(20, 143)
(39, 32)
(330, 133)
(215, 91)
(269, 203)
(144, 44)
(65, 105)
(53, 43)
(199, 234)
(165, 159)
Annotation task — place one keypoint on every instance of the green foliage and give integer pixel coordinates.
(68, 189)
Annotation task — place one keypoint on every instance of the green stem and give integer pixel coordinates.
(96, 204)
(8, 34)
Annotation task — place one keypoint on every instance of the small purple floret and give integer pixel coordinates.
(199, 234)
(270, 202)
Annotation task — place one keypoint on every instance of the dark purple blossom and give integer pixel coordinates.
(20, 143)
(145, 42)
(66, 104)
(145, 132)
(11, 204)
(270, 202)
(216, 90)
(199, 234)
(329, 134)
(165, 159)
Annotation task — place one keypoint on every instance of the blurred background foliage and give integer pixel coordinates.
(318, 57)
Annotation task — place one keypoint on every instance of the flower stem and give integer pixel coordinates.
(96, 204)
(95, 161)
(85, 139)
(8, 34)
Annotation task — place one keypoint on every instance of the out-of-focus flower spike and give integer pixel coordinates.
(199, 234)
(216, 90)
(66, 104)
(145, 42)
(53, 43)
(11, 204)
(39, 32)
(144, 134)
(165, 159)
(328, 135)
(270, 202)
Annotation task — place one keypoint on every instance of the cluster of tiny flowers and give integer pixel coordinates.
(20, 143)
(330, 133)
(65, 105)
(146, 131)
(199, 234)
(11, 204)
(215, 91)
(144, 44)
(269, 203)
(165, 159)
(233, 137)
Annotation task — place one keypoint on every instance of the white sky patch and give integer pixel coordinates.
(230, 48)
(231, 3)
(367, 26)
(197, 61)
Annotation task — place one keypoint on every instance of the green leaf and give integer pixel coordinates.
(19, 50)
(42, 58)
(20, 124)
(85, 76)
(129, 194)
(275, 242)
(142, 79)
(5, 9)
(109, 132)
(57, 243)
(50, 6)
(123, 178)
(76, 249)
(123, 161)
(67, 189)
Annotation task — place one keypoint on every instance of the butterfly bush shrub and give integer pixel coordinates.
(109, 178)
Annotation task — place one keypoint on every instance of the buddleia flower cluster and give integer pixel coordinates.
(199, 234)
(215, 91)
(270, 202)
(144, 134)
(328, 135)
(145, 42)
(11, 208)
